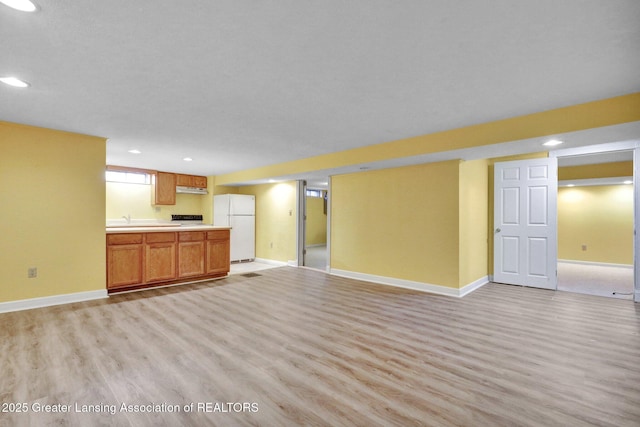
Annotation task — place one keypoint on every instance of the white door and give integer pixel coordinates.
(525, 223)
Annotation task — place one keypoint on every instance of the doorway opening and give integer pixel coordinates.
(313, 224)
(315, 245)
(626, 149)
(596, 224)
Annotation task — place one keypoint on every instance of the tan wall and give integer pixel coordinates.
(52, 195)
(276, 211)
(474, 215)
(400, 223)
(600, 217)
(316, 232)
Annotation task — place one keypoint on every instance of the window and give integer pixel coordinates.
(127, 177)
(315, 193)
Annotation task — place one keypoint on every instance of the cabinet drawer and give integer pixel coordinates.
(191, 236)
(160, 237)
(217, 234)
(124, 239)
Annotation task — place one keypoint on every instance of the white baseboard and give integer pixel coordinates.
(271, 262)
(599, 264)
(476, 284)
(27, 304)
(409, 284)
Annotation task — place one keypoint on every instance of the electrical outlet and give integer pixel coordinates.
(584, 247)
(32, 272)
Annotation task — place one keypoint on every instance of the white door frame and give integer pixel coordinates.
(301, 219)
(606, 148)
(301, 226)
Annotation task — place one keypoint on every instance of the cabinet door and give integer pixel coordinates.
(200, 181)
(217, 256)
(184, 180)
(160, 262)
(191, 258)
(164, 188)
(124, 265)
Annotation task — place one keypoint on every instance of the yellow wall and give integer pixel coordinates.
(601, 170)
(52, 195)
(135, 200)
(400, 223)
(600, 217)
(276, 212)
(316, 232)
(474, 216)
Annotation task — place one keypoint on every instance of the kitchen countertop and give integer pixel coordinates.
(166, 229)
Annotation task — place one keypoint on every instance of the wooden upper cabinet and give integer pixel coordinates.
(184, 180)
(191, 181)
(163, 188)
(200, 181)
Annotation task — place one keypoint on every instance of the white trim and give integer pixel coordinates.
(27, 304)
(316, 245)
(619, 180)
(272, 262)
(476, 284)
(597, 148)
(409, 284)
(636, 223)
(599, 264)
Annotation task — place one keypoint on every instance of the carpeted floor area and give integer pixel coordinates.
(598, 280)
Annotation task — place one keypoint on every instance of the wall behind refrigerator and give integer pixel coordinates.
(275, 220)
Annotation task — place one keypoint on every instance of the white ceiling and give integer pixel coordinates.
(237, 84)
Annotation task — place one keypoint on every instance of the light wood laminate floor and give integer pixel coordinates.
(307, 348)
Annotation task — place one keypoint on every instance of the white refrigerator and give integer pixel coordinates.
(237, 211)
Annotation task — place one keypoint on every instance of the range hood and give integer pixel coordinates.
(191, 190)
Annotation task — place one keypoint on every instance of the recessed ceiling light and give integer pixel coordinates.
(628, 182)
(12, 81)
(134, 151)
(23, 5)
(187, 159)
(571, 185)
(553, 142)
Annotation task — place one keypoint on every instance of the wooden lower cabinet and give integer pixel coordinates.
(124, 259)
(160, 257)
(138, 260)
(124, 264)
(191, 255)
(218, 252)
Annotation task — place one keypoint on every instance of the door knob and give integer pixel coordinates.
(498, 230)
